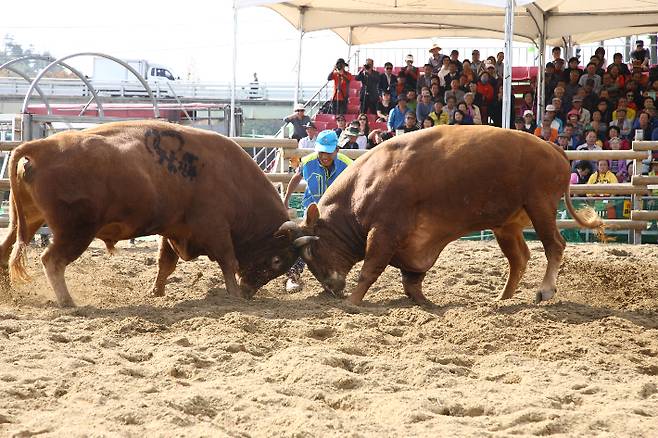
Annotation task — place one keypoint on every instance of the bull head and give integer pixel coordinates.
(300, 241)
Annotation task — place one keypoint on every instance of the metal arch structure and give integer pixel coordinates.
(92, 90)
(9, 65)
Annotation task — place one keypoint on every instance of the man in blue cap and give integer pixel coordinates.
(319, 169)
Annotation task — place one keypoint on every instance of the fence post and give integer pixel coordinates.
(636, 199)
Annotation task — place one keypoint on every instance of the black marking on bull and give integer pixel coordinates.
(176, 161)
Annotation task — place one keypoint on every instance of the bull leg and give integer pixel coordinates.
(225, 255)
(379, 251)
(511, 242)
(62, 251)
(167, 259)
(5, 248)
(412, 282)
(543, 220)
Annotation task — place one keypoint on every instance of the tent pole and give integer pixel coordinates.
(541, 77)
(299, 56)
(349, 44)
(508, 98)
(235, 57)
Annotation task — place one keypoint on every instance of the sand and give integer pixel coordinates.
(198, 363)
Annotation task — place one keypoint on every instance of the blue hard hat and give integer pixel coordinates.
(326, 141)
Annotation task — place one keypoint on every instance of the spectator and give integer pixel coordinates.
(621, 121)
(468, 119)
(486, 90)
(575, 138)
(622, 103)
(444, 71)
(559, 67)
(600, 54)
(341, 78)
(590, 74)
(556, 123)
(400, 87)
(376, 137)
(454, 91)
(550, 80)
(572, 119)
(340, 122)
(427, 123)
(308, 142)
(563, 141)
(500, 68)
(618, 61)
(409, 73)
(618, 167)
(571, 89)
(641, 54)
(412, 100)
(602, 175)
(348, 139)
(410, 122)
(572, 66)
(598, 126)
(425, 106)
(545, 131)
(557, 103)
(384, 107)
(590, 99)
(298, 120)
(557, 53)
(472, 110)
(369, 95)
(458, 118)
(583, 115)
(453, 74)
(477, 65)
(529, 124)
(618, 79)
(604, 108)
(454, 57)
(388, 81)
(590, 145)
(424, 80)
(467, 72)
(436, 93)
(438, 116)
(364, 126)
(396, 116)
(518, 123)
(319, 170)
(436, 58)
(582, 171)
(613, 133)
(643, 122)
(450, 108)
(528, 104)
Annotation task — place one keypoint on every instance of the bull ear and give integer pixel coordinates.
(304, 247)
(312, 215)
(289, 229)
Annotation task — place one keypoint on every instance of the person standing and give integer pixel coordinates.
(341, 78)
(369, 97)
(319, 170)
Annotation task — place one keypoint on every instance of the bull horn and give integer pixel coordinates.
(287, 228)
(301, 242)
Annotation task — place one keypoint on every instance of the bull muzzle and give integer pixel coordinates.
(335, 285)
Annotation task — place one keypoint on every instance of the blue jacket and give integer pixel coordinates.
(318, 178)
(396, 118)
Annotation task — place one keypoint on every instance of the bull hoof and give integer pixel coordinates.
(66, 304)
(157, 292)
(354, 300)
(544, 295)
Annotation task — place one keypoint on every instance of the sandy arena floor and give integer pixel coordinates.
(198, 363)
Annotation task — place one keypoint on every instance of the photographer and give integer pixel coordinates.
(369, 96)
(341, 78)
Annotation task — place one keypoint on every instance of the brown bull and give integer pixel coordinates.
(199, 190)
(404, 201)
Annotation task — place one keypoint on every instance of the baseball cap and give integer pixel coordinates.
(577, 99)
(326, 142)
(639, 43)
(526, 112)
(310, 125)
(550, 107)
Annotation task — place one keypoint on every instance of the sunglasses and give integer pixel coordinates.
(363, 120)
(389, 68)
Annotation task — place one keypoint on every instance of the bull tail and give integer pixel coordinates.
(586, 217)
(18, 222)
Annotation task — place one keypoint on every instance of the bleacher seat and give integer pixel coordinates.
(353, 109)
(353, 100)
(325, 118)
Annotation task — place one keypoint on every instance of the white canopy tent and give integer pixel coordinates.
(540, 22)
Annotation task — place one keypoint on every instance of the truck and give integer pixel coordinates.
(112, 78)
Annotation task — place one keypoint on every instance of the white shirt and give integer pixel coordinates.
(362, 141)
(307, 143)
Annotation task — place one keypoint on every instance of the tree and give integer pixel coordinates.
(12, 50)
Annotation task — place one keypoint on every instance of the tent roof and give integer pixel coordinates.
(386, 20)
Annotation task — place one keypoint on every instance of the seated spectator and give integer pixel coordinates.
(649, 106)
(653, 171)
(563, 140)
(572, 119)
(618, 167)
(613, 135)
(436, 93)
(604, 108)
(529, 124)
(377, 136)
(584, 116)
(454, 91)
(557, 103)
(590, 74)
(518, 123)
(410, 122)
(468, 120)
(340, 122)
(571, 89)
(400, 87)
(618, 79)
(574, 139)
(618, 61)
(458, 118)
(388, 81)
(425, 106)
(444, 71)
(412, 100)
(546, 131)
(528, 104)
(590, 145)
(572, 66)
(472, 110)
(453, 73)
(424, 80)
(438, 116)
(298, 120)
(384, 107)
(556, 123)
(582, 170)
(477, 65)
(600, 54)
(409, 73)
(450, 108)
(428, 122)
(308, 142)
(641, 55)
(597, 126)
(364, 126)
(622, 122)
(477, 97)
(602, 175)
(467, 71)
(643, 122)
(590, 98)
(454, 57)
(348, 139)
(396, 116)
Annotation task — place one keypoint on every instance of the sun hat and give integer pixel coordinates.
(326, 142)
(550, 107)
(526, 112)
(300, 107)
(435, 47)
